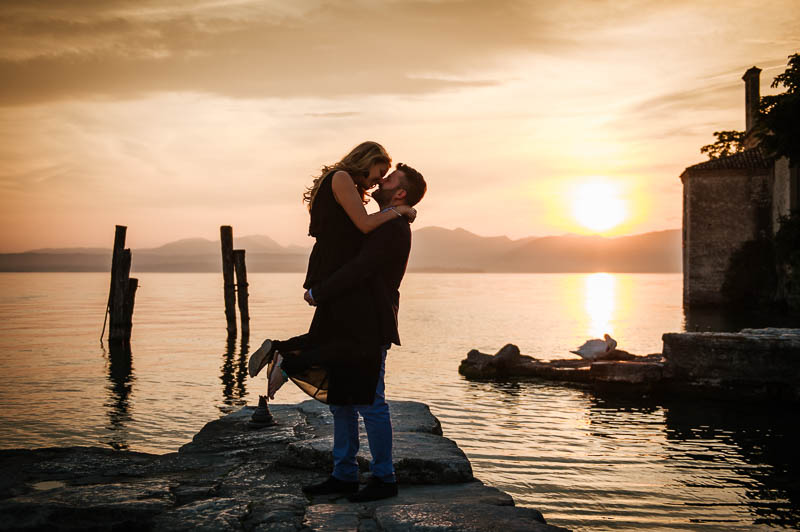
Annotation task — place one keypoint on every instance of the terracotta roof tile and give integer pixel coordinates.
(748, 159)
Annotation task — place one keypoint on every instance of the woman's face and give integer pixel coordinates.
(376, 173)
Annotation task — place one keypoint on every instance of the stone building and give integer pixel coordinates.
(729, 201)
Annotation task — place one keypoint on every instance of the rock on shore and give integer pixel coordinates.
(752, 363)
(617, 367)
(230, 477)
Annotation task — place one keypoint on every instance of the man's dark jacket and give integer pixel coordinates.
(364, 296)
(380, 266)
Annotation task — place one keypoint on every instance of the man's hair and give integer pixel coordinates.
(414, 184)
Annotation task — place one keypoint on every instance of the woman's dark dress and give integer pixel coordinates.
(338, 360)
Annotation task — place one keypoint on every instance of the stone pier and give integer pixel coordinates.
(230, 477)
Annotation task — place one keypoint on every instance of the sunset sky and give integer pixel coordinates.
(175, 117)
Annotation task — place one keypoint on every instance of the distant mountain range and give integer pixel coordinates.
(434, 249)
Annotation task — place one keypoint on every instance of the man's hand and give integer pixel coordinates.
(309, 299)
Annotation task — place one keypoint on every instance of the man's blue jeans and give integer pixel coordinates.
(379, 433)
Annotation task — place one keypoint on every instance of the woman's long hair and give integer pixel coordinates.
(356, 163)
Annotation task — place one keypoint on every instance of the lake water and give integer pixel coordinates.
(588, 461)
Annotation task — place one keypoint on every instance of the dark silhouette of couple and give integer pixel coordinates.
(353, 279)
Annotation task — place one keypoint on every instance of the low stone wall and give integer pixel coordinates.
(752, 362)
(230, 477)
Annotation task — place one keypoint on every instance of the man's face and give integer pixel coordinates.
(388, 187)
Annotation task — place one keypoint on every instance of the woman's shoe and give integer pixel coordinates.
(260, 358)
(275, 376)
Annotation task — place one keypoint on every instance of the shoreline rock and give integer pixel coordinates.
(230, 477)
(618, 367)
(752, 363)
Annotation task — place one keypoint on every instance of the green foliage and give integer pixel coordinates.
(791, 77)
(728, 143)
(779, 119)
(750, 279)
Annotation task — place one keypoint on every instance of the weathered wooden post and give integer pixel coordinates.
(226, 240)
(130, 299)
(122, 293)
(119, 245)
(117, 330)
(241, 288)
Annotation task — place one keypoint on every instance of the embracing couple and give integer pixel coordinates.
(353, 280)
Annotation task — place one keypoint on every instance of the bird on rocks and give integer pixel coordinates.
(596, 348)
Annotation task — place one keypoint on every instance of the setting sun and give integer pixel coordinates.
(597, 206)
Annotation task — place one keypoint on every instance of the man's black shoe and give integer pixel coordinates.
(375, 490)
(332, 485)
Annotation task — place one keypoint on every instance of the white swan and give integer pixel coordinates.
(596, 348)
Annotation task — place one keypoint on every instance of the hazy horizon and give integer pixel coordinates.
(108, 245)
(175, 117)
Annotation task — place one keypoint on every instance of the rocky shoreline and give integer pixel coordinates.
(231, 477)
(751, 363)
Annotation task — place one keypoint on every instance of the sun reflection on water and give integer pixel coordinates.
(600, 302)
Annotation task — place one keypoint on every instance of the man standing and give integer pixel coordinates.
(380, 265)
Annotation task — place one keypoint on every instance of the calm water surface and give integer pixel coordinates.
(586, 460)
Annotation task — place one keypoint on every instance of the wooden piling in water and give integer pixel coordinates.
(122, 293)
(226, 241)
(118, 330)
(241, 289)
(119, 245)
(127, 316)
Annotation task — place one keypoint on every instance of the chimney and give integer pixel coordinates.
(752, 97)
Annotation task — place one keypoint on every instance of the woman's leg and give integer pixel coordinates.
(296, 343)
(310, 369)
(263, 355)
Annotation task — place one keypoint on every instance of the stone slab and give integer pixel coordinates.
(118, 505)
(336, 513)
(472, 492)
(207, 515)
(331, 518)
(766, 355)
(407, 416)
(460, 518)
(627, 372)
(233, 433)
(419, 458)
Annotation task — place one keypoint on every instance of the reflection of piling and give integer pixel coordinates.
(226, 239)
(234, 374)
(241, 288)
(122, 292)
(120, 377)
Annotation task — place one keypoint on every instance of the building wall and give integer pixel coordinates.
(782, 191)
(722, 210)
(795, 188)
